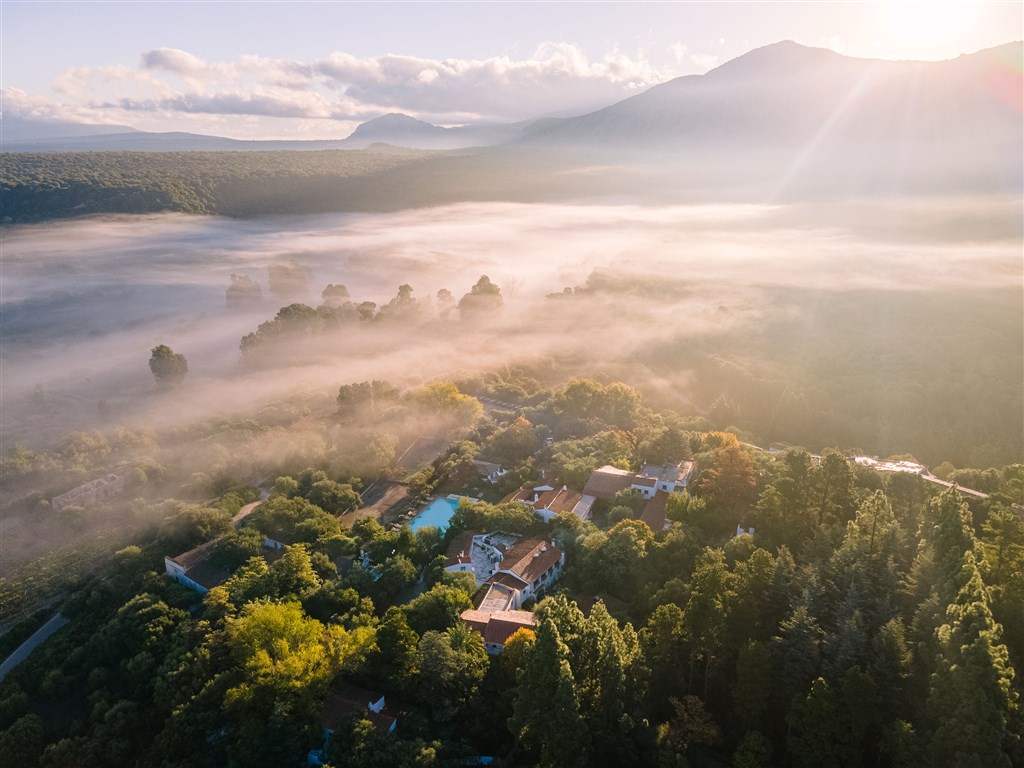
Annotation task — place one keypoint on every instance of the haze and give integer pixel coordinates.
(84, 301)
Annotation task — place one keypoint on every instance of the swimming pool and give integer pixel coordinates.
(437, 513)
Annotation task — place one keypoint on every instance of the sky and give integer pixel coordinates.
(315, 70)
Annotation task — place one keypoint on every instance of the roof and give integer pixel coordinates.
(459, 549)
(668, 473)
(198, 567)
(605, 482)
(558, 501)
(654, 511)
(582, 509)
(499, 626)
(486, 467)
(541, 497)
(196, 555)
(645, 481)
(499, 596)
(502, 589)
(530, 558)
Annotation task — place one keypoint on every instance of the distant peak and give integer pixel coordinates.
(785, 53)
(395, 118)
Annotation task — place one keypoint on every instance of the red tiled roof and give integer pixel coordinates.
(196, 555)
(561, 500)
(557, 500)
(605, 482)
(654, 511)
(521, 561)
(499, 626)
(458, 550)
(198, 567)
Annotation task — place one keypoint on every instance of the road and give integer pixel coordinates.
(22, 652)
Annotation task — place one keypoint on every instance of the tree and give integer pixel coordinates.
(437, 609)
(285, 661)
(707, 610)
(395, 658)
(452, 665)
(336, 295)
(546, 715)
(243, 291)
(730, 483)
(691, 724)
(971, 700)
(483, 298)
(237, 548)
(23, 742)
(755, 671)
(168, 367)
(664, 643)
(813, 721)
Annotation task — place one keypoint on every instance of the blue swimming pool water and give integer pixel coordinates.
(438, 514)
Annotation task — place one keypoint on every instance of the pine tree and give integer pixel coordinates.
(971, 699)
(546, 715)
(814, 727)
(798, 649)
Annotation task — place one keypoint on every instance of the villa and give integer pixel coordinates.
(514, 570)
(548, 501)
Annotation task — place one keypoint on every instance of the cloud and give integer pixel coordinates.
(173, 60)
(178, 85)
(234, 104)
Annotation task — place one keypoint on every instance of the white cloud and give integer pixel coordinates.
(172, 84)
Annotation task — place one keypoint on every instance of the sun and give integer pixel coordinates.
(918, 27)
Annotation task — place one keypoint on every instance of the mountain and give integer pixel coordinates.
(394, 129)
(788, 112)
(14, 128)
(788, 93)
(175, 141)
(406, 131)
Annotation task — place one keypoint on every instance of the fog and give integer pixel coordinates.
(84, 301)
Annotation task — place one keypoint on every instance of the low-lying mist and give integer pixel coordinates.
(679, 298)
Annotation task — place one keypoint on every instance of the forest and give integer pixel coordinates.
(43, 186)
(867, 619)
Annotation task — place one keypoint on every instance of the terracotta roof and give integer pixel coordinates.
(198, 567)
(530, 558)
(605, 482)
(654, 511)
(196, 555)
(646, 481)
(499, 626)
(556, 499)
(562, 500)
(458, 551)
(476, 619)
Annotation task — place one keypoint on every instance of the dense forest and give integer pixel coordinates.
(870, 619)
(37, 187)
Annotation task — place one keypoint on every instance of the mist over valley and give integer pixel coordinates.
(677, 421)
